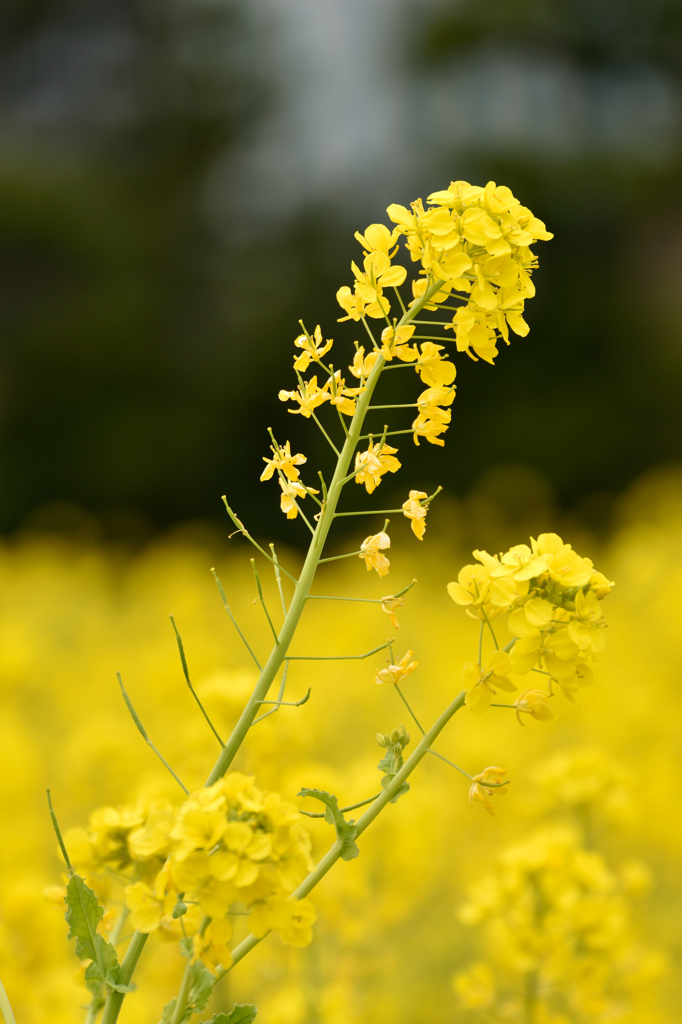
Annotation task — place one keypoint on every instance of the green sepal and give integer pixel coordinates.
(386, 782)
(83, 914)
(243, 1013)
(346, 831)
(390, 762)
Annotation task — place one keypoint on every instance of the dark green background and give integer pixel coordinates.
(142, 349)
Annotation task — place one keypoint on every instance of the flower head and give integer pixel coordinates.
(415, 511)
(283, 461)
(371, 549)
(371, 465)
(313, 349)
(536, 704)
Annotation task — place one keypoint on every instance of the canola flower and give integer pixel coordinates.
(225, 845)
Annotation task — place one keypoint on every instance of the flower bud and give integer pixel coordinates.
(395, 736)
(179, 910)
(382, 740)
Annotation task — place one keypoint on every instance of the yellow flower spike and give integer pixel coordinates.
(308, 396)
(371, 549)
(481, 791)
(390, 604)
(396, 673)
(283, 461)
(313, 349)
(211, 947)
(536, 704)
(374, 463)
(416, 512)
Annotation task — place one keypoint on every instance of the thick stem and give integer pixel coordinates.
(332, 855)
(183, 994)
(5, 1006)
(115, 999)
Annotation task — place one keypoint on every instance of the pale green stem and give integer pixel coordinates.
(5, 1007)
(183, 994)
(278, 577)
(344, 810)
(286, 634)
(333, 854)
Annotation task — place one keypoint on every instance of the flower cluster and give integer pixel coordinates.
(557, 919)
(553, 595)
(227, 844)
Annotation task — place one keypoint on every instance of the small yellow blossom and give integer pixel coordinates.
(371, 549)
(283, 461)
(148, 907)
(482, 684)
(586, 628)
(313, 349)
(308, 397)
(210, 946)
(377, 238)
(291, 491)
(371, 465)
(362, 364)
(434, 371)
(481, 791)
(396, 673)
(536, 704)
(389, 604)
(395, 343)
(416, 512)
(341, 396)
(429, 429)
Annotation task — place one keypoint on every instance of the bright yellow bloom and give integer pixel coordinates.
(396, 673)
(283, 461)
(481, 791)
(341, 396)
(293, 919)
(430, 401)
(148, 908)
(291, 491)
(482, 684)
(211, 946)
(374, 463)
(362, 364)
(429, 429)
(416, 512)
(371, 549)
(308, 397)
(536, 704)
(566, 566)
(395, 344)
(377, 238)
(586, 628)
(472, 587)
(313, 349)
(433, 369)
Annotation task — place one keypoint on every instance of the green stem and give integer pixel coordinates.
(5, 1007)
(333, 854)
(286, 634)
(115, 999)
(183, 994)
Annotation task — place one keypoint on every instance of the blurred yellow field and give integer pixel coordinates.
(391, 933)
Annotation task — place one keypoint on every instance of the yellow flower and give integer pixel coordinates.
(429, 429)
(283, 461)
(308, 397)
(371, 549)
(394, 343)
(313, 349)
(416, 512)
(430, 401)
(565, 566)
(389, 604)
(341, 396)
(291, 491)
(481, 791)
(586, 628)
(293, 919)
(432, 368)
(197, 829)
(211, 946)
(396, 673)
(374, 463)
(472, 587)
(536, 704)
(147, 907)
(377, 238)
(362, 364)
(481, 684)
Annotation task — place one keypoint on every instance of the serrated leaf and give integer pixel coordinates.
(168, 1011)
(83, 914)
(243, 1013)
(200, 988)
(346, 831)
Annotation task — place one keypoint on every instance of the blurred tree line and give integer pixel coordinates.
(144, 338)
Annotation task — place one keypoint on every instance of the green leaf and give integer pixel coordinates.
(168, 1011)
(243, 1013)
(386, 782)
(83, 914)
(390, 763)
(346, 831)
(201, 987)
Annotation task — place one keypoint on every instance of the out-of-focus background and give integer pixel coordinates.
(180, 183)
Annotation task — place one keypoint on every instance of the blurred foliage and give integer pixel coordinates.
(132, 321)
(391, 932)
